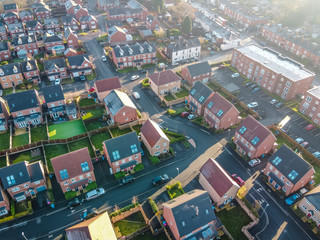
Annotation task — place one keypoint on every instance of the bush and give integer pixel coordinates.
(138, 167)
(12, 208)
(91, 186)
(145, 83)
(154, 160)
(125, 209)
(70, 195)
(174, 190)
(30, 210)
(119, 175)
(232, 145)
(171, 151)
(153, 205)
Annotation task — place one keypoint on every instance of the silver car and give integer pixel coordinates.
(94, 194)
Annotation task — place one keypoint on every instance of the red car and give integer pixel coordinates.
(91, 89)
(238, 179)
(310, 127)
(222, 66)
(185, 114)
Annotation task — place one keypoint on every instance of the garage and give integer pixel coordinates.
(40, 189)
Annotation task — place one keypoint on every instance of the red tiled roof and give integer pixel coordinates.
(164, 77)
(72, 163)
(219, 103)
(217, 177)
(152, 132)
(108, 84)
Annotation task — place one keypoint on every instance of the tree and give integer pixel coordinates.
(187, 25)
(159, 4)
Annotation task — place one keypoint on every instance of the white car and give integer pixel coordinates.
(136, 95)
(191, 116)
(235, 75)
(57, 82)
(299, 140)
(94, 194)
(104, 58)
(253, 105)
(134, 77)
(274, 101)
(254, 162)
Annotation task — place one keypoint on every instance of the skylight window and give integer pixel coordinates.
(276, 161)
(85, 167)
(293, 175)
(210, 105)
(64, 174)
(116, 155)
(220, 112)
(255, 140)
(201, 98)
(134, 148)
(10, 180)
(242, 129)
(193, 91)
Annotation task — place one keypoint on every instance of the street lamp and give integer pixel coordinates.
(24, 236)
(178, 170)
(229, 130)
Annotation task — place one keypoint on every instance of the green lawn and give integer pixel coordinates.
(7, 91)
(66, 129)
(234, 220)
(94, 112)
(26, 156)
(183, 93)
(135, 223)
(4, 140)
(95, 125)
(20, 140)
(137, 128)
(92, 76)
(127, 69)
(54, 151)
(3, 162)
(117, 132)
(169, 97)
(81, 144)
(86, 102)
(39, 133)
(98, 139)
(281, 140)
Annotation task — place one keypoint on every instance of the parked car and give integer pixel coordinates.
(273, 101)
(257, 89)
(136, 95)
(212, 53)
(304, 144)
(94, 194)
(57, 82)
(292, 199)
(104, 58)
(254, 162)
(253, 86)
(91, 89)
(310, 127)
(248, 84)
(253, 105)
(299, 140)
(316, 154)
(162, 65)
(127, 179)
(87, 214)
(160, 179)
(234, 75)
(185, 114)
(238, 179)
(75, 202)
(143, 71)
(191, 116)
(222, 66)
(83, 78)
(279, 105)
(134, 77)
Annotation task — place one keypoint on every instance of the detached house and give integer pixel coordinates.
(25, 108)
(219, 113)
(10, 7)
(152, 23)
(80, 65)
(26, 15)
(116, 35)
(4, 203)
(190, 216)
(310, 205)
(253, 139)
(25, 45)
(3, 32)
(164, 82)
(4, 115)
(105, 86)
(288, 171)
(73, 170)
(88, 22)
(70, 5)
(198, 97)
(72, 38)
(5, 53)
(31, 71)
(79, 12)
(16, 29)
(123, 152)
(34, 27)
(155, 140)
(51, 25)
(120, 107)
(70, 21)
(10, 75)
(55, 68)
(218, 183)
(10, 17)
(196, 72)
(23, 179)
(43, 12)
(54, 43)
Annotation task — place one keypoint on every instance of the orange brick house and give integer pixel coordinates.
(198, 97)
(31, 71)
(105, 86)
(310, 105)
(310, 205)
(73, 170)
(164, 82)
(71, 38)
(80, 65)
(196, 72)
(10, 75)
(4, 203)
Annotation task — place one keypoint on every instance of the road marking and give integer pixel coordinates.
(302, 123)
(313, 130)
(317, 135)
(80, 210)
(267, 219)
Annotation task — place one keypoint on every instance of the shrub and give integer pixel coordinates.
(70, 195)
(119, 175)
(154, 160)
(125, 209)
(232, 145)
(171, 151)
(174, 190)
(91, 186)
(153, 205)
(12, 208)
(138, 167)
(145, 83)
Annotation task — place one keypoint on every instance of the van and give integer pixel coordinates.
(94, 194)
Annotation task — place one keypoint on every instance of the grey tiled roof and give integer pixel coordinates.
(42, 9)
(35, 171)
(13, 26)
(87, 18)
(315, 91)
(47, 38)
(136, 48)
(24, 40)
(67, 32)
(184, 44)
(52, 93)
(199, 91)
(68, 18)
(9, 69)
(25, 13)
(77, 60)
(10, 14)
(22, 100)
(31, 63)
(116, 100)
(199, 68)
(19, 172)
(10, 6)
(49, 21)
(52, 63)
(32, 23)
(3, 46)
(112, 23)
(134, 4)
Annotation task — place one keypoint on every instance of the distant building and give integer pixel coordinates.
(310, 105)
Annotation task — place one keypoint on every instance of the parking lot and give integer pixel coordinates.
(270, 114)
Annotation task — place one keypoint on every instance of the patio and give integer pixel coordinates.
(66, 129)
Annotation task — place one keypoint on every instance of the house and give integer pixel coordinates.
(25, 45)
(4, 115)
(79, 12)
(145, 33)
(23, 179)
(10, 7)
(105, 86)
(104, 5)
(120, 107)
(37, 5)
(111, 23)
(198, 97)
(10, 17)
(133, 55)
(218, 183)
(70, 5)
(253, 139)
(137, 10)
(3, 32)
(154, 138)
(287, 171)
(123, 152)
(26, 15)
(73, 170)
(5, 53)
(80, 65)
(4, 203)
(16, 29)
(183, 50)
(88, 23)
(72, 38)
(25, 108)
(55, 68)
(310, 106)
(70, 52)
(31, 71)
(272, 71)
(310, 205)
(196, 72)
(191, 216)
(10, 75)
(152, 23)
(164, 82)
(51, 25)
(219, 113)
(34, 27)
(99, 227)
(53, 43)
(70, 21)
(42, 12)
(54, 100)
(116, 35)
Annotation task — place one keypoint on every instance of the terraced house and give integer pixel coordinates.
(25, 108)
(198, 97)
(10, 75)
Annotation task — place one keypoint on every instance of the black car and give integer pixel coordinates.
(160, 179)
(87, 214)
(279, 105)
(143, 71)
(75, 202)
(126, 180)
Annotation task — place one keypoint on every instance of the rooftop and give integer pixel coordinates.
(315, 92)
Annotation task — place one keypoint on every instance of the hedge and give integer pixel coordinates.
(119, 175)
(154, 160)
(70, 194)
(138, 167)
(125, 209)
(153, 205)
(174, 190)
(91, 186)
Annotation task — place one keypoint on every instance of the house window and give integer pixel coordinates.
(64, 174)
(309, 99)
(68, 189)
(10, 180)
(308, 202)
(81, 177)
(26, 185)
(88, 174)
(284, 189)
(16, 189)
(65, 183)
(73, 180)
(164, 144)
(157, 146)
(85, 167)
